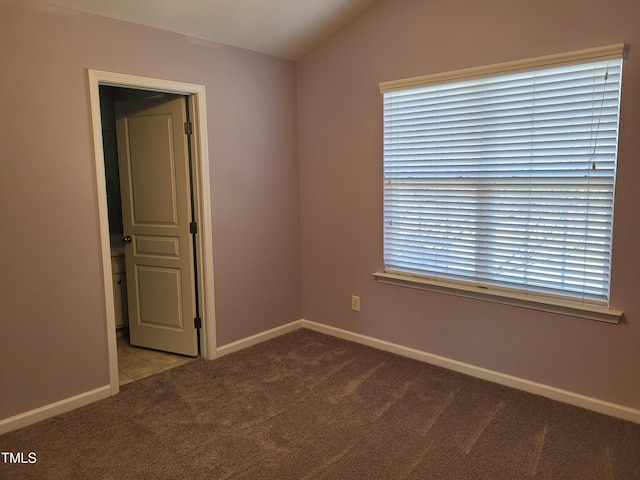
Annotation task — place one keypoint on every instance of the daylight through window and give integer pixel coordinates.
(503, 177)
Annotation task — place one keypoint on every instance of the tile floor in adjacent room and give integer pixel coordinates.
(135, 363)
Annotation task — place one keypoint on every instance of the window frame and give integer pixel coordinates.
(550, 303)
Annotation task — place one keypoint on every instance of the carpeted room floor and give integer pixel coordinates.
(310, 406)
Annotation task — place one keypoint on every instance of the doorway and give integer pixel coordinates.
(148, 176)
(133, 86)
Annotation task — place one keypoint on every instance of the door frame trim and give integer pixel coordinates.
(202, 192)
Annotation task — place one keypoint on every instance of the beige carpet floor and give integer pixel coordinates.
(309, 406)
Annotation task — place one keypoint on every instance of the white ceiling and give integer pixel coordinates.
(282, 28)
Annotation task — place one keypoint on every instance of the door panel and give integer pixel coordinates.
(159, 296)
(153, 170)
(156, 211)
(155, 246)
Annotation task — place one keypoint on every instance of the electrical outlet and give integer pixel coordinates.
(355, 303)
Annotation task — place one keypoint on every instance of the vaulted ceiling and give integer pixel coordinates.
(282, 28)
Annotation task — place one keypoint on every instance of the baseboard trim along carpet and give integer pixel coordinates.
(565, 396)
(571, 398)
(53, 409)
(258, 338)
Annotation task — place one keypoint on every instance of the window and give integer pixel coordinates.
(502, 178)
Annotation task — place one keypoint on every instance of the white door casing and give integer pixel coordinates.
(202, 192)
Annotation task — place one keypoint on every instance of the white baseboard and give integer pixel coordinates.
(572, 398)
(565, 396)
(71, 403)
(258, 338)
(53, 409)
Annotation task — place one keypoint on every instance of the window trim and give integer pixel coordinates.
(499, 295)
(504, 297)
(609, 52)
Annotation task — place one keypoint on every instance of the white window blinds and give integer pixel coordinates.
(505, 180)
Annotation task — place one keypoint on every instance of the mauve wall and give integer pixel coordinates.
(340, 132)
(53, 342)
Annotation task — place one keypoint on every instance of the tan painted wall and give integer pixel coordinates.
(340, 129)
(53, 342)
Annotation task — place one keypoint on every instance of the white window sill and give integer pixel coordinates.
(590, 312)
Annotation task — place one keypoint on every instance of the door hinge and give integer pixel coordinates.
(197, 323)
(193, 228)
(188, 128)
